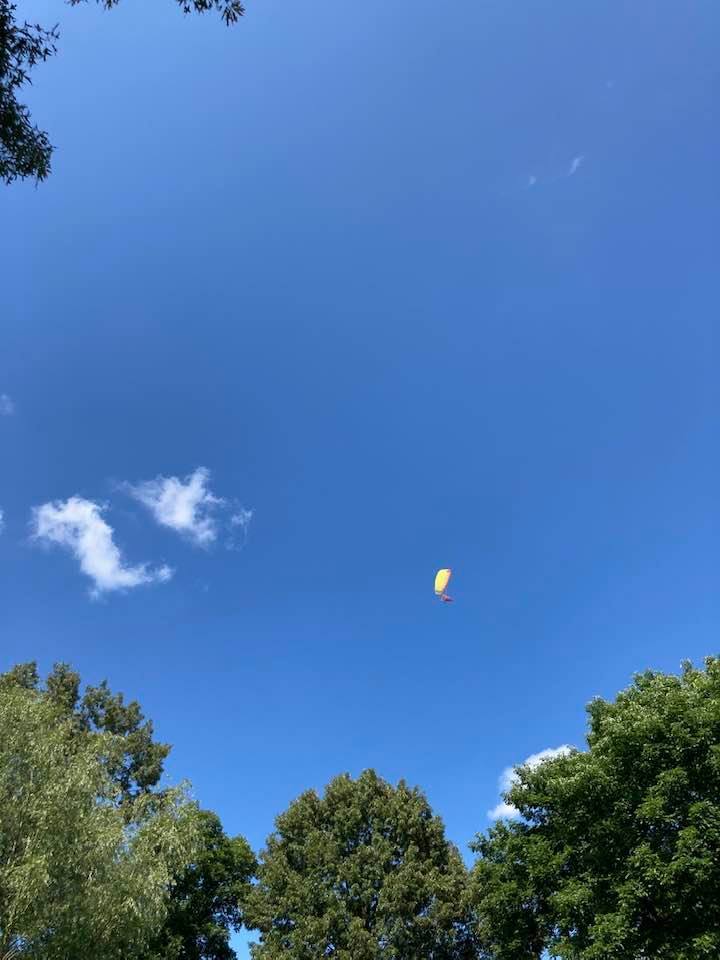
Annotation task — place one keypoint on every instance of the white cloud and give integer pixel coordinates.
(242, 518)
(7, 405)
(78, 525)
(509, 778)
(503, 811)
(2, 521)
(239, 521)
(189, 507)
(184, 506)
(576, 164)
(536, 181)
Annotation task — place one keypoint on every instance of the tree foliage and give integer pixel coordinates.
(206, 893)
(137, 763)
(361, 873)
(229, 10)
(207, 898)
(617, 855)
(26, 151)
(80, 875)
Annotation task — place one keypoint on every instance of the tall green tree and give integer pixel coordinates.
(362, 873)
(617, 854)
(138, 766)
(206, 892)
(206, 902)
(80, 875)
(26, 151)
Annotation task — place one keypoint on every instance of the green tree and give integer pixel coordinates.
(26, 151)
(207, 897)
(362, 873)
(80, 875)
(206, 893)
(617, 854)
(138, 766)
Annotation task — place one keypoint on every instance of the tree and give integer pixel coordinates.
(361, 873)
(138, 765)
(617, 854)
(25, 151)
(206, 900)
(80, 875)
(206, 893)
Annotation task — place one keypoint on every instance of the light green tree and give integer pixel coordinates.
(206, 896)
(617, 855)
(82, 876)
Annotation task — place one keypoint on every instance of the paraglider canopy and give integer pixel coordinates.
(442, 578)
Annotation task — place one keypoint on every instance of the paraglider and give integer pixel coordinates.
(442, 578)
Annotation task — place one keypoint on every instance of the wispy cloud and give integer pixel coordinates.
(239, 523)
(534, 180)
(509, 778)
(77, 525)
(577, 162)
(2, 521)
(189, 507)
(7, 405)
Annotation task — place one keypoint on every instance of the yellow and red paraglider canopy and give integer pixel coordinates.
(442, 578)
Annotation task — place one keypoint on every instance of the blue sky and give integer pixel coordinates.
(347, 259)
